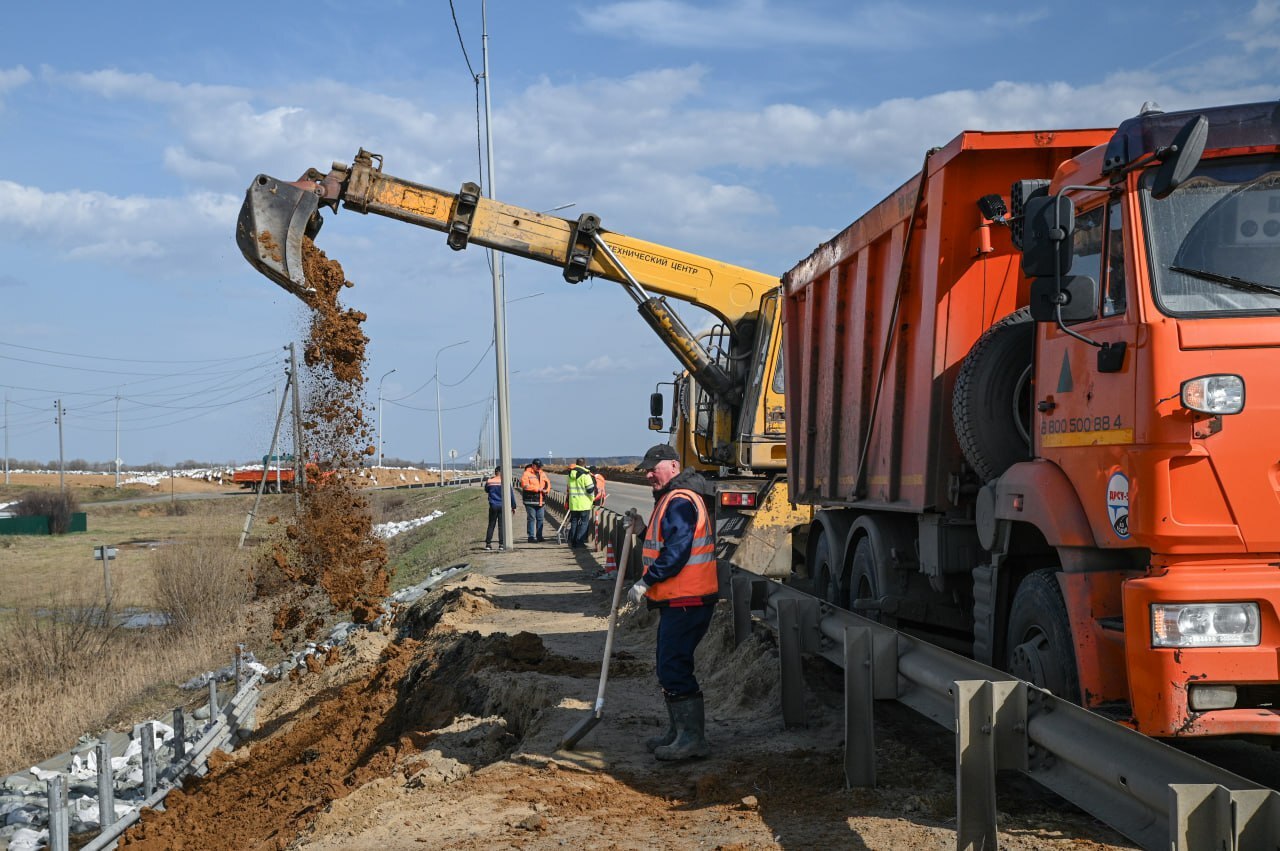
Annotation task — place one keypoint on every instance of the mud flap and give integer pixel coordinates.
(273, 221)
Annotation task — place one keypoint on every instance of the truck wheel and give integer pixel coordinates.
(863, 583)
(991, 403)
(1040, 647)
(826, 574)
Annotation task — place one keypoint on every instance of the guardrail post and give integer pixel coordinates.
(859, 709)
(106, 787)
(213, 697)
(1206, 815)
(991, 724)
(179, 734)
(59, 824)
(975, 766)
(148, 759)
(797, 621)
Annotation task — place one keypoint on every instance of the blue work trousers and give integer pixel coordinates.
(579, 527)
(536, 515)
(679, 631)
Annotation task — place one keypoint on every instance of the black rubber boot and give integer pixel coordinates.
(691, 740)
(666, 738)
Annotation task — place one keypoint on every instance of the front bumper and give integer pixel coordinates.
(1159, 677)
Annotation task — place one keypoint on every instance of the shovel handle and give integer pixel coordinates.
(613, 621)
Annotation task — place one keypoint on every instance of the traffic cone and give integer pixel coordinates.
(610, 563)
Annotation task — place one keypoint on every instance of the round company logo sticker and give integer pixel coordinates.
(1118, 503)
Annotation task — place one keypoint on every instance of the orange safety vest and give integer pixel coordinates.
(698, 578)
(535, 485)
(601, 494)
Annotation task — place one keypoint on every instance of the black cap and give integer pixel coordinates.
(536, 462)
(657, 454)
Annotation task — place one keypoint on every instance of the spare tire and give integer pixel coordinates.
(991, 403)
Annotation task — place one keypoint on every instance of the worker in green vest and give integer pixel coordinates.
(582, 495)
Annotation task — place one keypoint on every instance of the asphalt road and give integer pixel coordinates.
(622, 495)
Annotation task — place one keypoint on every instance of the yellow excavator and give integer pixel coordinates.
(728, 413)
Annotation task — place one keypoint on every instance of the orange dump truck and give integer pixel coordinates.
(1034, 395)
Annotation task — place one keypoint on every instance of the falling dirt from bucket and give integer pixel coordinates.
(330, 544)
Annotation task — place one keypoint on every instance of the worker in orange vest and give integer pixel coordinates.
(601, 493)
(534, 485)
(680, 581)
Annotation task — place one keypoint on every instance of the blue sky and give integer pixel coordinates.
(745, 130)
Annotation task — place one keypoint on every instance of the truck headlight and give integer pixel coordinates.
(1214, 394)
(1205, 625)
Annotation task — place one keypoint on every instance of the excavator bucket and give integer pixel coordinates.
(273, 221)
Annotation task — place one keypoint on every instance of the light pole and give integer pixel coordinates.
(439, 421)
(380, 380)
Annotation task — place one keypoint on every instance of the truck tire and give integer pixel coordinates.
(826, 574)
(864, 583)
(991, 403)
(1040, 647)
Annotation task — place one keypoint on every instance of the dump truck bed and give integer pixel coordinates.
(873, 343)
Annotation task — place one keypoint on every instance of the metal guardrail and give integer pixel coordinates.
(1157, 796)
(158, 780)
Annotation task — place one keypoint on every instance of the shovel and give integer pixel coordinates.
(586, 725)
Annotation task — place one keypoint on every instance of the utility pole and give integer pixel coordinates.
(60, 413)
(499, 308)
(262, 483)
(378, 464)
(299, 456)
(6, 438)
(117, 440)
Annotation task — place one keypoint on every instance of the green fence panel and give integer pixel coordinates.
(38, 525)
(79, 522)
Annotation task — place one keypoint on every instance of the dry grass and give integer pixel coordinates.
(67, 671)
(203, 584)
(66, 674)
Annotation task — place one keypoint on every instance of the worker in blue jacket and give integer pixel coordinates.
(493, 487)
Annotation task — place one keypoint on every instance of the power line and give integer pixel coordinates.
(131, 360)
(442, 410)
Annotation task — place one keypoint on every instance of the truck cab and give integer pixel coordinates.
(1154, 476)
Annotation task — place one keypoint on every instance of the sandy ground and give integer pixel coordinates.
(446, 734)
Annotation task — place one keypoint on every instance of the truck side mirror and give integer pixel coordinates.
(655, 423)
(655, 407)
(1048, 222)
(1184, 155)
(1079, 299)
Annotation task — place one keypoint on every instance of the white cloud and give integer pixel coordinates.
(99, 226)
(595, 368)
(750, 24)
(12, 78)
(1260, 32)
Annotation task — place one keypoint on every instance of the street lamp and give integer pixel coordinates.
(380, 380)
(439, 421)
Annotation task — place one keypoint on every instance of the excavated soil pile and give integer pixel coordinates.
(331, 543)
(423, 713)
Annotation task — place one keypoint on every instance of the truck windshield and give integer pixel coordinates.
(1215, 242)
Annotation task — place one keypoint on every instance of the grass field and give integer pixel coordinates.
(65, 674)
(440, 543)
